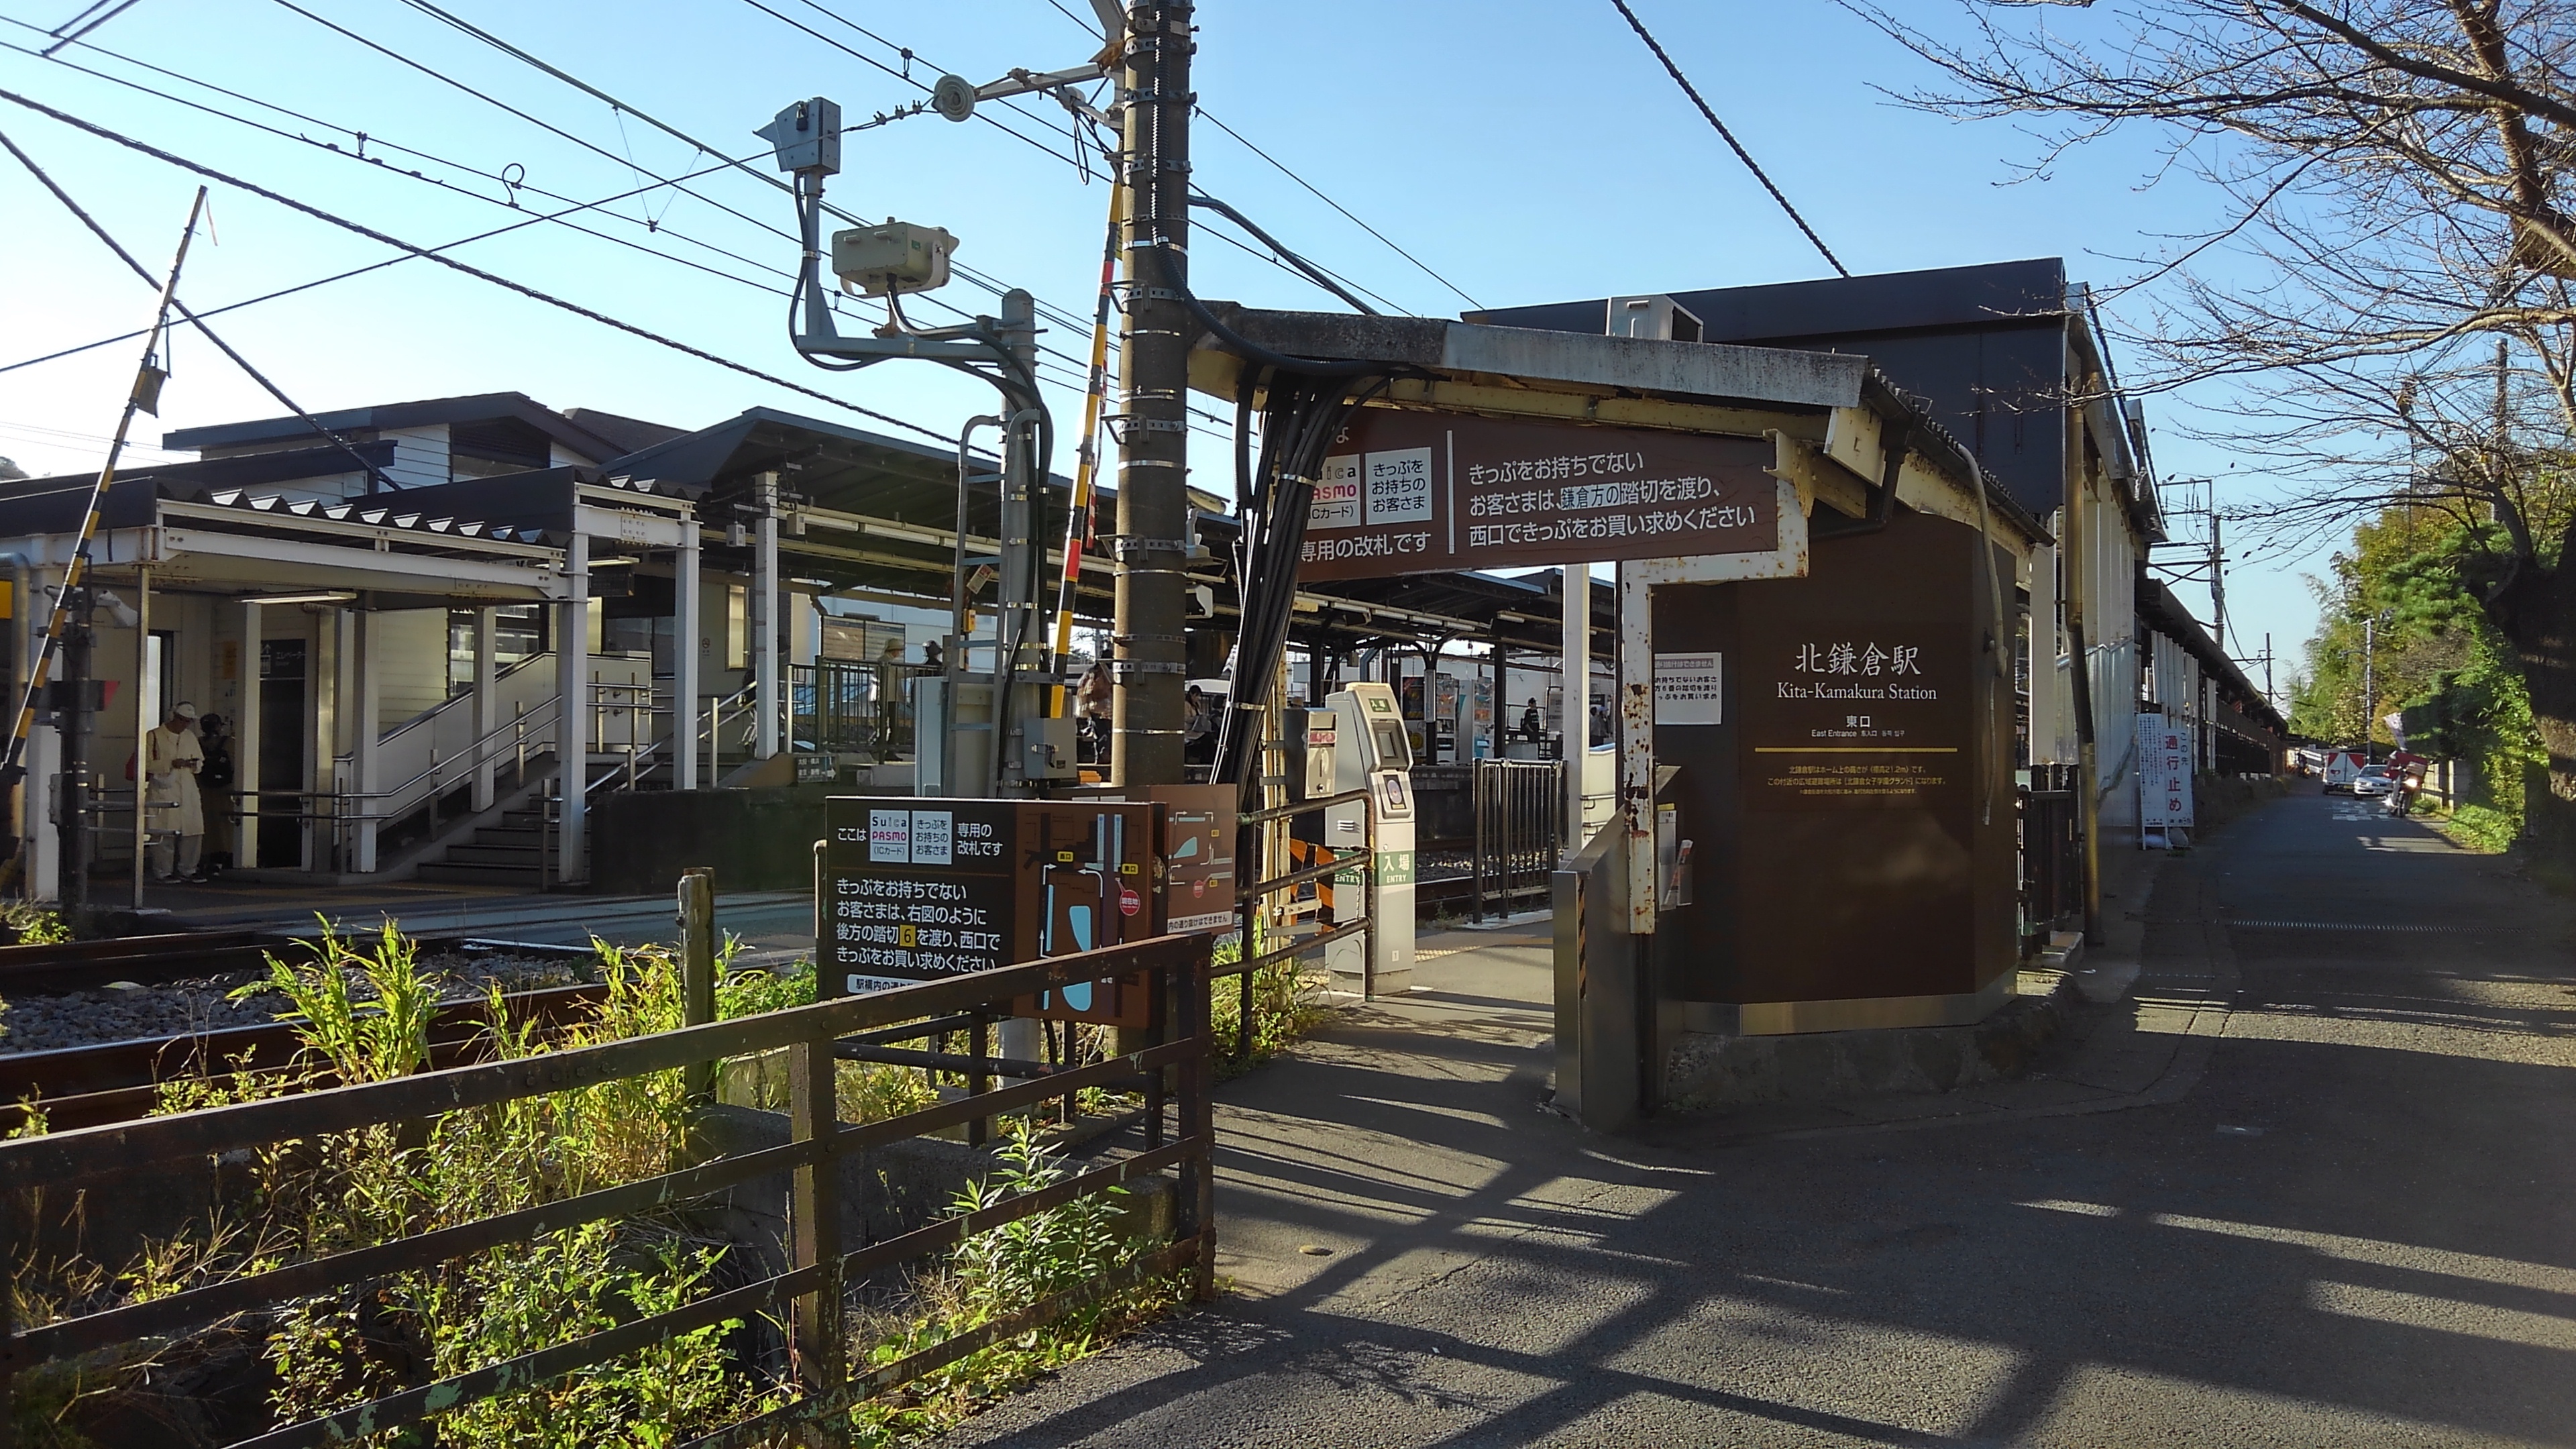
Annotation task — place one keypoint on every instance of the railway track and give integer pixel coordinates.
(145, 960)
(97, 1083)
(89, 1086)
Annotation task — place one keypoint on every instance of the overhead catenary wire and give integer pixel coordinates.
(522, 288)
(375, 475)
(1054, 313)
(655, 183)
(13, 755)
(538, 63)
(1301, 268)
(1741, 154)
(1283, 168)
(341, 276)
(1072, 366)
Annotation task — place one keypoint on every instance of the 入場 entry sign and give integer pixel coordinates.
(1412, 492)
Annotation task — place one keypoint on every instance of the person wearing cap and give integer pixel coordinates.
(172, 758)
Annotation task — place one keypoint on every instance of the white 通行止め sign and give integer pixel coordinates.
(2164, 773)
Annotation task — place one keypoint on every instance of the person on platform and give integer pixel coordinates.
(1531, 728)
(172, 759)
(1198, 728)
(215, 784)
(1091, 700)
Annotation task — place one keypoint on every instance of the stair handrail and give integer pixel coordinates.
(544, 656)
(710, 724)
(516, 727)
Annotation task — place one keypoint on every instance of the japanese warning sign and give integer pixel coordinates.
(2164, 773)
(1408, 492)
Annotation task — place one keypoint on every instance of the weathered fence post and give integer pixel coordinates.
(1197, 1196)
(814, 1220)
(697, 902)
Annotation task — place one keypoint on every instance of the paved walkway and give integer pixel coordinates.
(2312, 1185)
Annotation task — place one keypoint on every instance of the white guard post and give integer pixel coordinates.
(1372, 752)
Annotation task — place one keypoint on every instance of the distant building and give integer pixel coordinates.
(2006, 358)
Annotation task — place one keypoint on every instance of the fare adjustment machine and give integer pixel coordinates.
(1370, 750)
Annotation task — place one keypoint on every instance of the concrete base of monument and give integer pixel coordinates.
(1709, 1071)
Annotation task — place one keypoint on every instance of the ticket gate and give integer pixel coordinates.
(1370, 751)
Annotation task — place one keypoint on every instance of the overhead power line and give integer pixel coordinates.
(1741, 154)
(375, 475)
(1054, 313)
(351, 272)
(522, 288)
(1284, 170)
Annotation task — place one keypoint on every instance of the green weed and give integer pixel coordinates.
(362, 1009)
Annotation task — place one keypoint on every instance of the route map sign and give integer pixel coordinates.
(1417, 492)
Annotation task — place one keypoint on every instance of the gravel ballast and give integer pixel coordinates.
(33, 1023)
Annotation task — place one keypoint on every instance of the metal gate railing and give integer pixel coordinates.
(1354, 869)
(1520, 828)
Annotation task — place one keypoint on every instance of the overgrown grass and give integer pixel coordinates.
(24, 924)
(1285, 1006)
(362, 1009)
(2481, 828)
(996, 1273)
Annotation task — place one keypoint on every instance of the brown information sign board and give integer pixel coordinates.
(922, 890)
(1415, 492)
(1858, 715)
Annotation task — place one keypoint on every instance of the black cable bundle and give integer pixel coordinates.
(1302, 415)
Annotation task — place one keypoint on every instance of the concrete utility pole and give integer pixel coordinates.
(2217, 579)
(1153, 378)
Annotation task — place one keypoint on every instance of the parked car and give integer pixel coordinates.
(2373, 782)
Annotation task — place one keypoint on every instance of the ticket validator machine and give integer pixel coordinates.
(1370, 750)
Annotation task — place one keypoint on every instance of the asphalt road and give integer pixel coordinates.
(2350, 1219)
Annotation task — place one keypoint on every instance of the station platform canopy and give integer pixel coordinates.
(875, 517)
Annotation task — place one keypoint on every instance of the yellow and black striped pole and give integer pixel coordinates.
(145, 397)
(1086, 472)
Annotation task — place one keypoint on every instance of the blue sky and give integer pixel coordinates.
(1525, 151)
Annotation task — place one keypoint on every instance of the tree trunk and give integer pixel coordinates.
(2537, 615)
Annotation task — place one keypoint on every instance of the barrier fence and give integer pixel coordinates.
(819, 1264)
(1520, 831)
(1330, 868)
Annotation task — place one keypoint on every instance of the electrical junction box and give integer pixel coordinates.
(806, 136)
(895, 257)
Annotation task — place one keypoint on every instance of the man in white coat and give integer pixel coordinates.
(172, 758)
